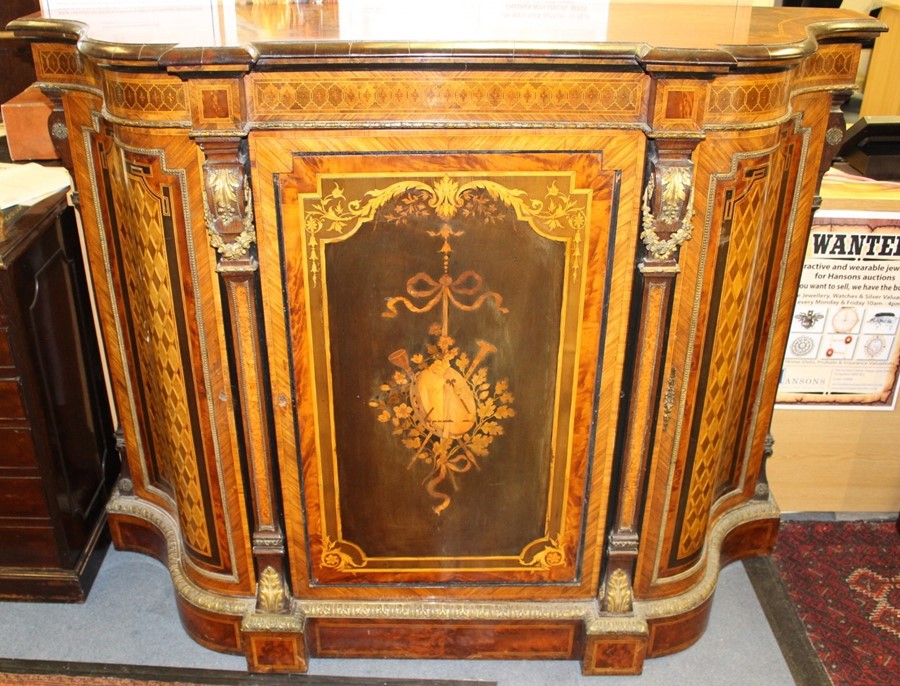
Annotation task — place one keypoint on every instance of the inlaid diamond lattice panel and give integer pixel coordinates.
(142, 212)
(729, 363)
(730, 464)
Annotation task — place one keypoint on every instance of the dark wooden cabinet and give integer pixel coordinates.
(57, 452)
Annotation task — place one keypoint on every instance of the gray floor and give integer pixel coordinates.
(130, 617)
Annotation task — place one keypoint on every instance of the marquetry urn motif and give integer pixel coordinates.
(448, 349)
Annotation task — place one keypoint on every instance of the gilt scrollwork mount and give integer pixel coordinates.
(223, 187)
(667, 213)
(227, 200)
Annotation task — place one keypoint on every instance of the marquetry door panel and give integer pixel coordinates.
(166, 387)
(728, 299)
(444, 341)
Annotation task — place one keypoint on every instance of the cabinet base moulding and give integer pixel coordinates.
(605, 643)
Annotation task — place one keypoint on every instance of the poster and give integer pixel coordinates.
(187, 22)
(843, 348)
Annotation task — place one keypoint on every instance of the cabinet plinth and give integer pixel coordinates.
(448, 350)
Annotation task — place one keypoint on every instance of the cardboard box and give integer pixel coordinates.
(27, 135)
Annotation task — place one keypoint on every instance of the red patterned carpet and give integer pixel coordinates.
(844, 579)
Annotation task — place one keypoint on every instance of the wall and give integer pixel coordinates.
(836, 460)
(839, 460)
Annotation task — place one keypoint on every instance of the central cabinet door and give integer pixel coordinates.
(446, 316)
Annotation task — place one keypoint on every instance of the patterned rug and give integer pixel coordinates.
(844, 579)
(48, 673)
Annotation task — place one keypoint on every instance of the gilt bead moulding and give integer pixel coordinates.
(435, 348)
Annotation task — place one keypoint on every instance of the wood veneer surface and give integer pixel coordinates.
(472, 343)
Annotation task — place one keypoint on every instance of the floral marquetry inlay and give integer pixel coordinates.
(441, 400)
(342, 555)
(446, 197)
(454, 378)
(544, 554)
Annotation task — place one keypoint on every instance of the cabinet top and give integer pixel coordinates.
(203, 33)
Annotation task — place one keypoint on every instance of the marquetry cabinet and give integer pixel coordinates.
(448, 349)
(57, 450)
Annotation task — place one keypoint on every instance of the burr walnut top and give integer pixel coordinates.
(215, 34)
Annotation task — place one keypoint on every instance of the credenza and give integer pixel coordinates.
(426, 347)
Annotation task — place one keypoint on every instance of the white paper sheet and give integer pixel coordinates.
(25, 184)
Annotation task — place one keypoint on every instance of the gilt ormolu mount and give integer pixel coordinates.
(448, 350)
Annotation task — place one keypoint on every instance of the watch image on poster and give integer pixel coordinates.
(844, 345)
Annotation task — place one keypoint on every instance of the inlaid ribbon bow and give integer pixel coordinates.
(445, 290)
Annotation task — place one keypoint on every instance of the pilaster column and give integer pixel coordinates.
(229, 220)
(666, 223)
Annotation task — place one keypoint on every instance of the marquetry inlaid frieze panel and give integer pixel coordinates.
(831, 66)
(56, 63)
(161, 99)
(417, 96)
(737, 99)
